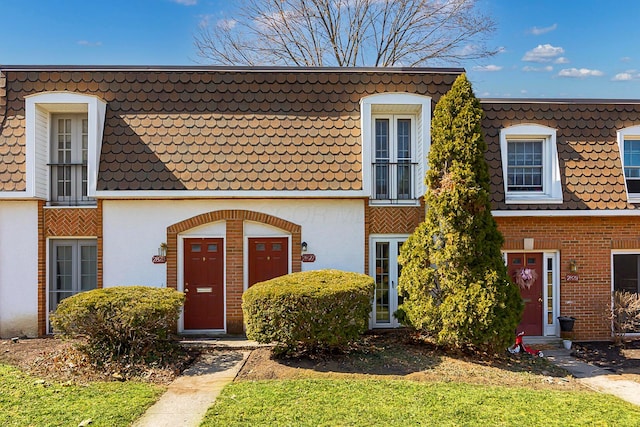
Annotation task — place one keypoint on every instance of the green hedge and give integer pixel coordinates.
(127, 323)
(309, 311)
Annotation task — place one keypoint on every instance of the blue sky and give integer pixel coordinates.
(549, 48)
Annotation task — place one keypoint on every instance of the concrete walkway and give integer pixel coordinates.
(598, 379)
(188, 397)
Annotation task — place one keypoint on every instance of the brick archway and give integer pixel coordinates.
(234, 253)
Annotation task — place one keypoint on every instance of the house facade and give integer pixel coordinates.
(209, 180)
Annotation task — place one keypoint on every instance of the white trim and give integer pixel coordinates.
(180, 284)
(422, 114)
(18, 195)
(155, 194)
(551, 185)
(62, 102)
(632, 132)
(71, 207)
(564, 213)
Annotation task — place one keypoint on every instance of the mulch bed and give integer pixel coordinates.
(59, 360)
(623, 358)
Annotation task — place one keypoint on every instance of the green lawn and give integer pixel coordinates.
(403, 403)
(27, 401)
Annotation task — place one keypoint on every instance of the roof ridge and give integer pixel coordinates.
(227, 68)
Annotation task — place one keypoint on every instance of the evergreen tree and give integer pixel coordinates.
(454, 279)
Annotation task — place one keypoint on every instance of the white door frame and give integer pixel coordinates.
(393, 240)
(216, 230)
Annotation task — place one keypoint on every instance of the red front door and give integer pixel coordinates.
(268, 258)
(204, 284)
(530, 291)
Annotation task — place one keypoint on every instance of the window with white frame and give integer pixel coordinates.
(629, 143)
(69, 155)
(73, 269)
(393, 163)
(530, 164)
(395, 143)
(524, 165)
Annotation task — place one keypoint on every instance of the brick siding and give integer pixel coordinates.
(235, 249)
(589, 241)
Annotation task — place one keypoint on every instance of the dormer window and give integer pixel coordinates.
(530, 164)
(629, 143)
(395, 143)
(63, 140)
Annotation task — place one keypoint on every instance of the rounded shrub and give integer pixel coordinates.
(127, 323)
(309, 311)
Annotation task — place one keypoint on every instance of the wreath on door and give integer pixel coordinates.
(525, 277)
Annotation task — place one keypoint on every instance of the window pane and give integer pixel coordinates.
(631, 155)
(625, 272)
(213, 247)
(524, 166)
(404, 139)
(381, 179)
(382, 140)
(64, 268)
(195, 247)
(625, 278)
(88, 268)
(383, 314)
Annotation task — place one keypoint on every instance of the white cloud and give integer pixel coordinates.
(529, 69)
(469, 49)
(561, 60)
(226, 24)
(579, 73)
(88, 43)
(186, 2)
(544, 30)
(543, 53)
(487, 68)
(625, 59)
(206, 19)
(626, 76)
(524, 91)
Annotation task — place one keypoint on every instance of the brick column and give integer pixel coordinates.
(235, 277)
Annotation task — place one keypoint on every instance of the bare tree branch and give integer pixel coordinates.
(347, 33)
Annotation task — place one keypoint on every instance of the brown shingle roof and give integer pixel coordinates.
(219, 129)
(589, 159)
(289, 129)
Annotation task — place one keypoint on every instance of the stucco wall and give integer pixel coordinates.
(18, 268)
(133, 230)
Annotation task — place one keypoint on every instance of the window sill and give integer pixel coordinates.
(633, 198)
(91, 205)
(512, 199)
(377, 202)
